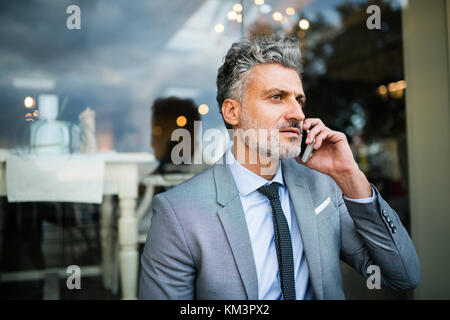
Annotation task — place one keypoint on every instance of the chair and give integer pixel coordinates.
(144, 212)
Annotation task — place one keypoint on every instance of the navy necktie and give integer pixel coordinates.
(283, 241)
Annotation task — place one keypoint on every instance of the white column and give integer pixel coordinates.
(427, 73)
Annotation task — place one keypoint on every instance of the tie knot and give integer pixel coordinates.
(270, 191)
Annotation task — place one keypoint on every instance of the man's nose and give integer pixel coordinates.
(294, 111)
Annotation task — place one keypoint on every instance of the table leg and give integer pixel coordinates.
(123, 179)
(2, 195)
(106, 219)
(128, 256)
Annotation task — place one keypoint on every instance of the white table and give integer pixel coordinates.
(121, 179)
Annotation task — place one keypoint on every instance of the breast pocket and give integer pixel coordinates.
(329, 226)
(326, 212)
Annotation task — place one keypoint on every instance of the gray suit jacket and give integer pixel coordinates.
(198, 245)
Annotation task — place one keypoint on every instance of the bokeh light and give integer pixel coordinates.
(29, 102)
(203, 109)
(181, 121)
(304, 24)
(237, 7)
(290, 11)
(277, 16)
(231, 15)
(219, 28)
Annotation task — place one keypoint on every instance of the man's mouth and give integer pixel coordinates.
(291, 131)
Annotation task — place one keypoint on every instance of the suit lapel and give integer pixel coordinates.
(300, 197)
(233, 221)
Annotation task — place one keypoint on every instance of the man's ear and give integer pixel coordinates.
(231, 111)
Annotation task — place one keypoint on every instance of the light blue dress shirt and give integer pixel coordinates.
(257, 211)
(258, 216)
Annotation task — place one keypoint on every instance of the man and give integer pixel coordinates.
(273, 228)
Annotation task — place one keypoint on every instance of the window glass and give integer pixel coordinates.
(127, 55)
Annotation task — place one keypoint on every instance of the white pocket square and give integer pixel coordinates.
(322, 206)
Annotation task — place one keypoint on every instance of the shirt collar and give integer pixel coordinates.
(247, 181)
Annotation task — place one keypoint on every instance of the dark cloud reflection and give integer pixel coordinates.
(118, 63)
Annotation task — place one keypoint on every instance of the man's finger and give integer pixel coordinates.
(320, 138)
(314, 132)
(311, 122)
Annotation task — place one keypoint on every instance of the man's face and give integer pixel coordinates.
(274, 100)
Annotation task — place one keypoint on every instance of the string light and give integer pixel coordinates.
(382, 90)
(232, 15)
(277, 16)
(395, 89)
(29, 102)
(219, 28)
(203, 109)
(304, 24)
(181, 121)
(290, 11)
(237, 7)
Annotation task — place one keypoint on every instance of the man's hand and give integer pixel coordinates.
(333, 157)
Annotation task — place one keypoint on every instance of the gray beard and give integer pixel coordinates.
(267, 143)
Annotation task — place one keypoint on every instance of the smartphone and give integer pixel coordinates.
(306, 149)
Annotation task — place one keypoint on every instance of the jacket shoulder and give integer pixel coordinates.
(197, 187)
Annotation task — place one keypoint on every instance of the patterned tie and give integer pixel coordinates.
(283, 242)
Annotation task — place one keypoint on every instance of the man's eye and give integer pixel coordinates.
(276, 97)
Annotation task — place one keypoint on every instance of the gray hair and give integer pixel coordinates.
(245, 54)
